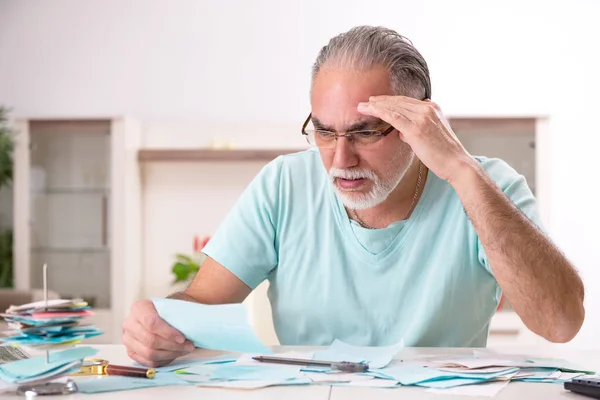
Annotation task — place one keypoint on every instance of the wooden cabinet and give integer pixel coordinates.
(77, 197)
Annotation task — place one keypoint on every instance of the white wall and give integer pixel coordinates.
(240, 69)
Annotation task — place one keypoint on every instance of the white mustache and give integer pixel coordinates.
(354, 173)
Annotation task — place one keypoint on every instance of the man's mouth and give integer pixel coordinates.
(350, 184)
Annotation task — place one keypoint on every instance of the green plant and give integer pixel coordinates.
(6, 150)
(186, 266)
(6, 259)
(6, 174)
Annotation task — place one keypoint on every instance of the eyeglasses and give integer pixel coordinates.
(327, 140)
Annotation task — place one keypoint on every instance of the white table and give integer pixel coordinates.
(515, 390)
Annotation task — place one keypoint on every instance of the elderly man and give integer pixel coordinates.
(386, 229)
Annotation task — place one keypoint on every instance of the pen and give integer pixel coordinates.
(344, 366)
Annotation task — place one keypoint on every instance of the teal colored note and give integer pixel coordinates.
(254, 384)
(37, 340)
(217, 327)
(118, 383)
(414, 375)
(450, 383)
(376, 357)
(233, 372)
(16, 371)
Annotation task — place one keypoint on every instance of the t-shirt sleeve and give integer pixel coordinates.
(514, 186)
(244, 242)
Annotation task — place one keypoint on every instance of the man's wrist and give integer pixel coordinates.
(466, 174)
(181, 296)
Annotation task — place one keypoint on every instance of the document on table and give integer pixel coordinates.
(37, 368)
(119, 383)
(217, 327)
(255, 384)
(376, 357)
(431, 377)
(510, 361)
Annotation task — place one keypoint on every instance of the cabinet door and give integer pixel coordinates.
(69, 181)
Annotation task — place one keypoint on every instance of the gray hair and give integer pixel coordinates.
(366, 47)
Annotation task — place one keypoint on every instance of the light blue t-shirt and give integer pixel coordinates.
(425, 280)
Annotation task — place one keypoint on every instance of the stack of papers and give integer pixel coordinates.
(484, 377)
(38, 369)
(476, 375)
(48, 325)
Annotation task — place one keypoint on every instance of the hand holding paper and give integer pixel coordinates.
(149, 339)
(217, 327)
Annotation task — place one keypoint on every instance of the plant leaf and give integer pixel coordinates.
(184, 258)
(182, 271)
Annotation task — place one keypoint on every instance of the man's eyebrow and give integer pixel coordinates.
(366, 124)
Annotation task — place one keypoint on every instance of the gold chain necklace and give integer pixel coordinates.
(360, 221)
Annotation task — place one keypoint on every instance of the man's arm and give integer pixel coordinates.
(214, 284)
(537, 279)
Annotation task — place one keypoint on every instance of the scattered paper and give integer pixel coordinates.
(567, 376)
(255, 384)
(428, 376)
(339, 377)
(376, 357)
(36, 367)
(477, 371)
(189, 363)
(501, 360)
(233, 372)
(118, 383)
(217, 327)
(486, 389)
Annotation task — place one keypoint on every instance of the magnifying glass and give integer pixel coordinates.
(99, 366)
(48, 389)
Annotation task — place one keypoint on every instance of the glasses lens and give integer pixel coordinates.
(310, 137)
(365, 137)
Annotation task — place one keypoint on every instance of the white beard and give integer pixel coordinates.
(380, 190)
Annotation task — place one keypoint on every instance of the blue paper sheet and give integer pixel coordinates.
(26, 369)
(233, 372)
(254, 384)
(118, 383)
(450, 383)
(188, 363)
(37, 340)
(376, 357)
(218, 327)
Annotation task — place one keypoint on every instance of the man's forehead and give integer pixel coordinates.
(360, 122)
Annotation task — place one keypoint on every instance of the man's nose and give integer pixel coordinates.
(345, 156)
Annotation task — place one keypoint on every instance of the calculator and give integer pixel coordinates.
(587, 385)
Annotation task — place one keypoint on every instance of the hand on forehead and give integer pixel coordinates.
(345, 120)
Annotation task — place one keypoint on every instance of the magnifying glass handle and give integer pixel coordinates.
(133, 372)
